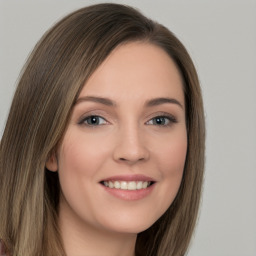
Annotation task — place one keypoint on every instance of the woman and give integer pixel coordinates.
(103, 150)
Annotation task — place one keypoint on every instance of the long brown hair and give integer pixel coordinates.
(50, 83)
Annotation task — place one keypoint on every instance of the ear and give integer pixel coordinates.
(52, 163)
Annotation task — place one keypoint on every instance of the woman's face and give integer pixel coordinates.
(121, 160)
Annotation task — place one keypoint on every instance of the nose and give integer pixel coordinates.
(130, 146)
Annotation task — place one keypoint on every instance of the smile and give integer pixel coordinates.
(127, 185)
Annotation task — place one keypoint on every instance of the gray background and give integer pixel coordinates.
(221, 38)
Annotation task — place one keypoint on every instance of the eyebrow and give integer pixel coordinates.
(149, 103)
(159, 101)
(101, 100)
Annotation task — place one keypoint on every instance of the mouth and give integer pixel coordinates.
(127, 185)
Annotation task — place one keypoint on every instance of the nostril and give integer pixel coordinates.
(130, 160)
(129, 153)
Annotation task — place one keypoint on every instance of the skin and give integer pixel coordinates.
(125, 140)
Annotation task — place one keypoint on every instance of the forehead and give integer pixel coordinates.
(136, 69)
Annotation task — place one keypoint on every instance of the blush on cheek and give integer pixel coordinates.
(175, 155)
(172, 165)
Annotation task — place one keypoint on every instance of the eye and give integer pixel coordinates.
(162, 120)
(93, 121)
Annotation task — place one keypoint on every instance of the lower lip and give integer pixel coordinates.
(130, 195)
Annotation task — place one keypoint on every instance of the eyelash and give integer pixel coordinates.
(85, 119)
(170, 119)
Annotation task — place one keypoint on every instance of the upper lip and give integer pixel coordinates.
(134, 177)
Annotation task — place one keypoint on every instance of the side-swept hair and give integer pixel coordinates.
(50, 83)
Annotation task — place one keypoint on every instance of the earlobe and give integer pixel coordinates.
(52, 163)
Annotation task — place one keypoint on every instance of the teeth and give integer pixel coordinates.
(123, 185)
(127, 185)
(131, 185)
(144, 185)
(117, 184)
(110, 184)
(139, 185)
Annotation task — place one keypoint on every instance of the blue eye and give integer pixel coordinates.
(93, 121)
(162, 120)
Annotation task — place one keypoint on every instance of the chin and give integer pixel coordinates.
(129, 224)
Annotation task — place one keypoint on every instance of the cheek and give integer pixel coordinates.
(171, 163)
(73, 174)
(78, 154)
(174, 157)
(171, 153)
(78, 172)
(78, 169)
